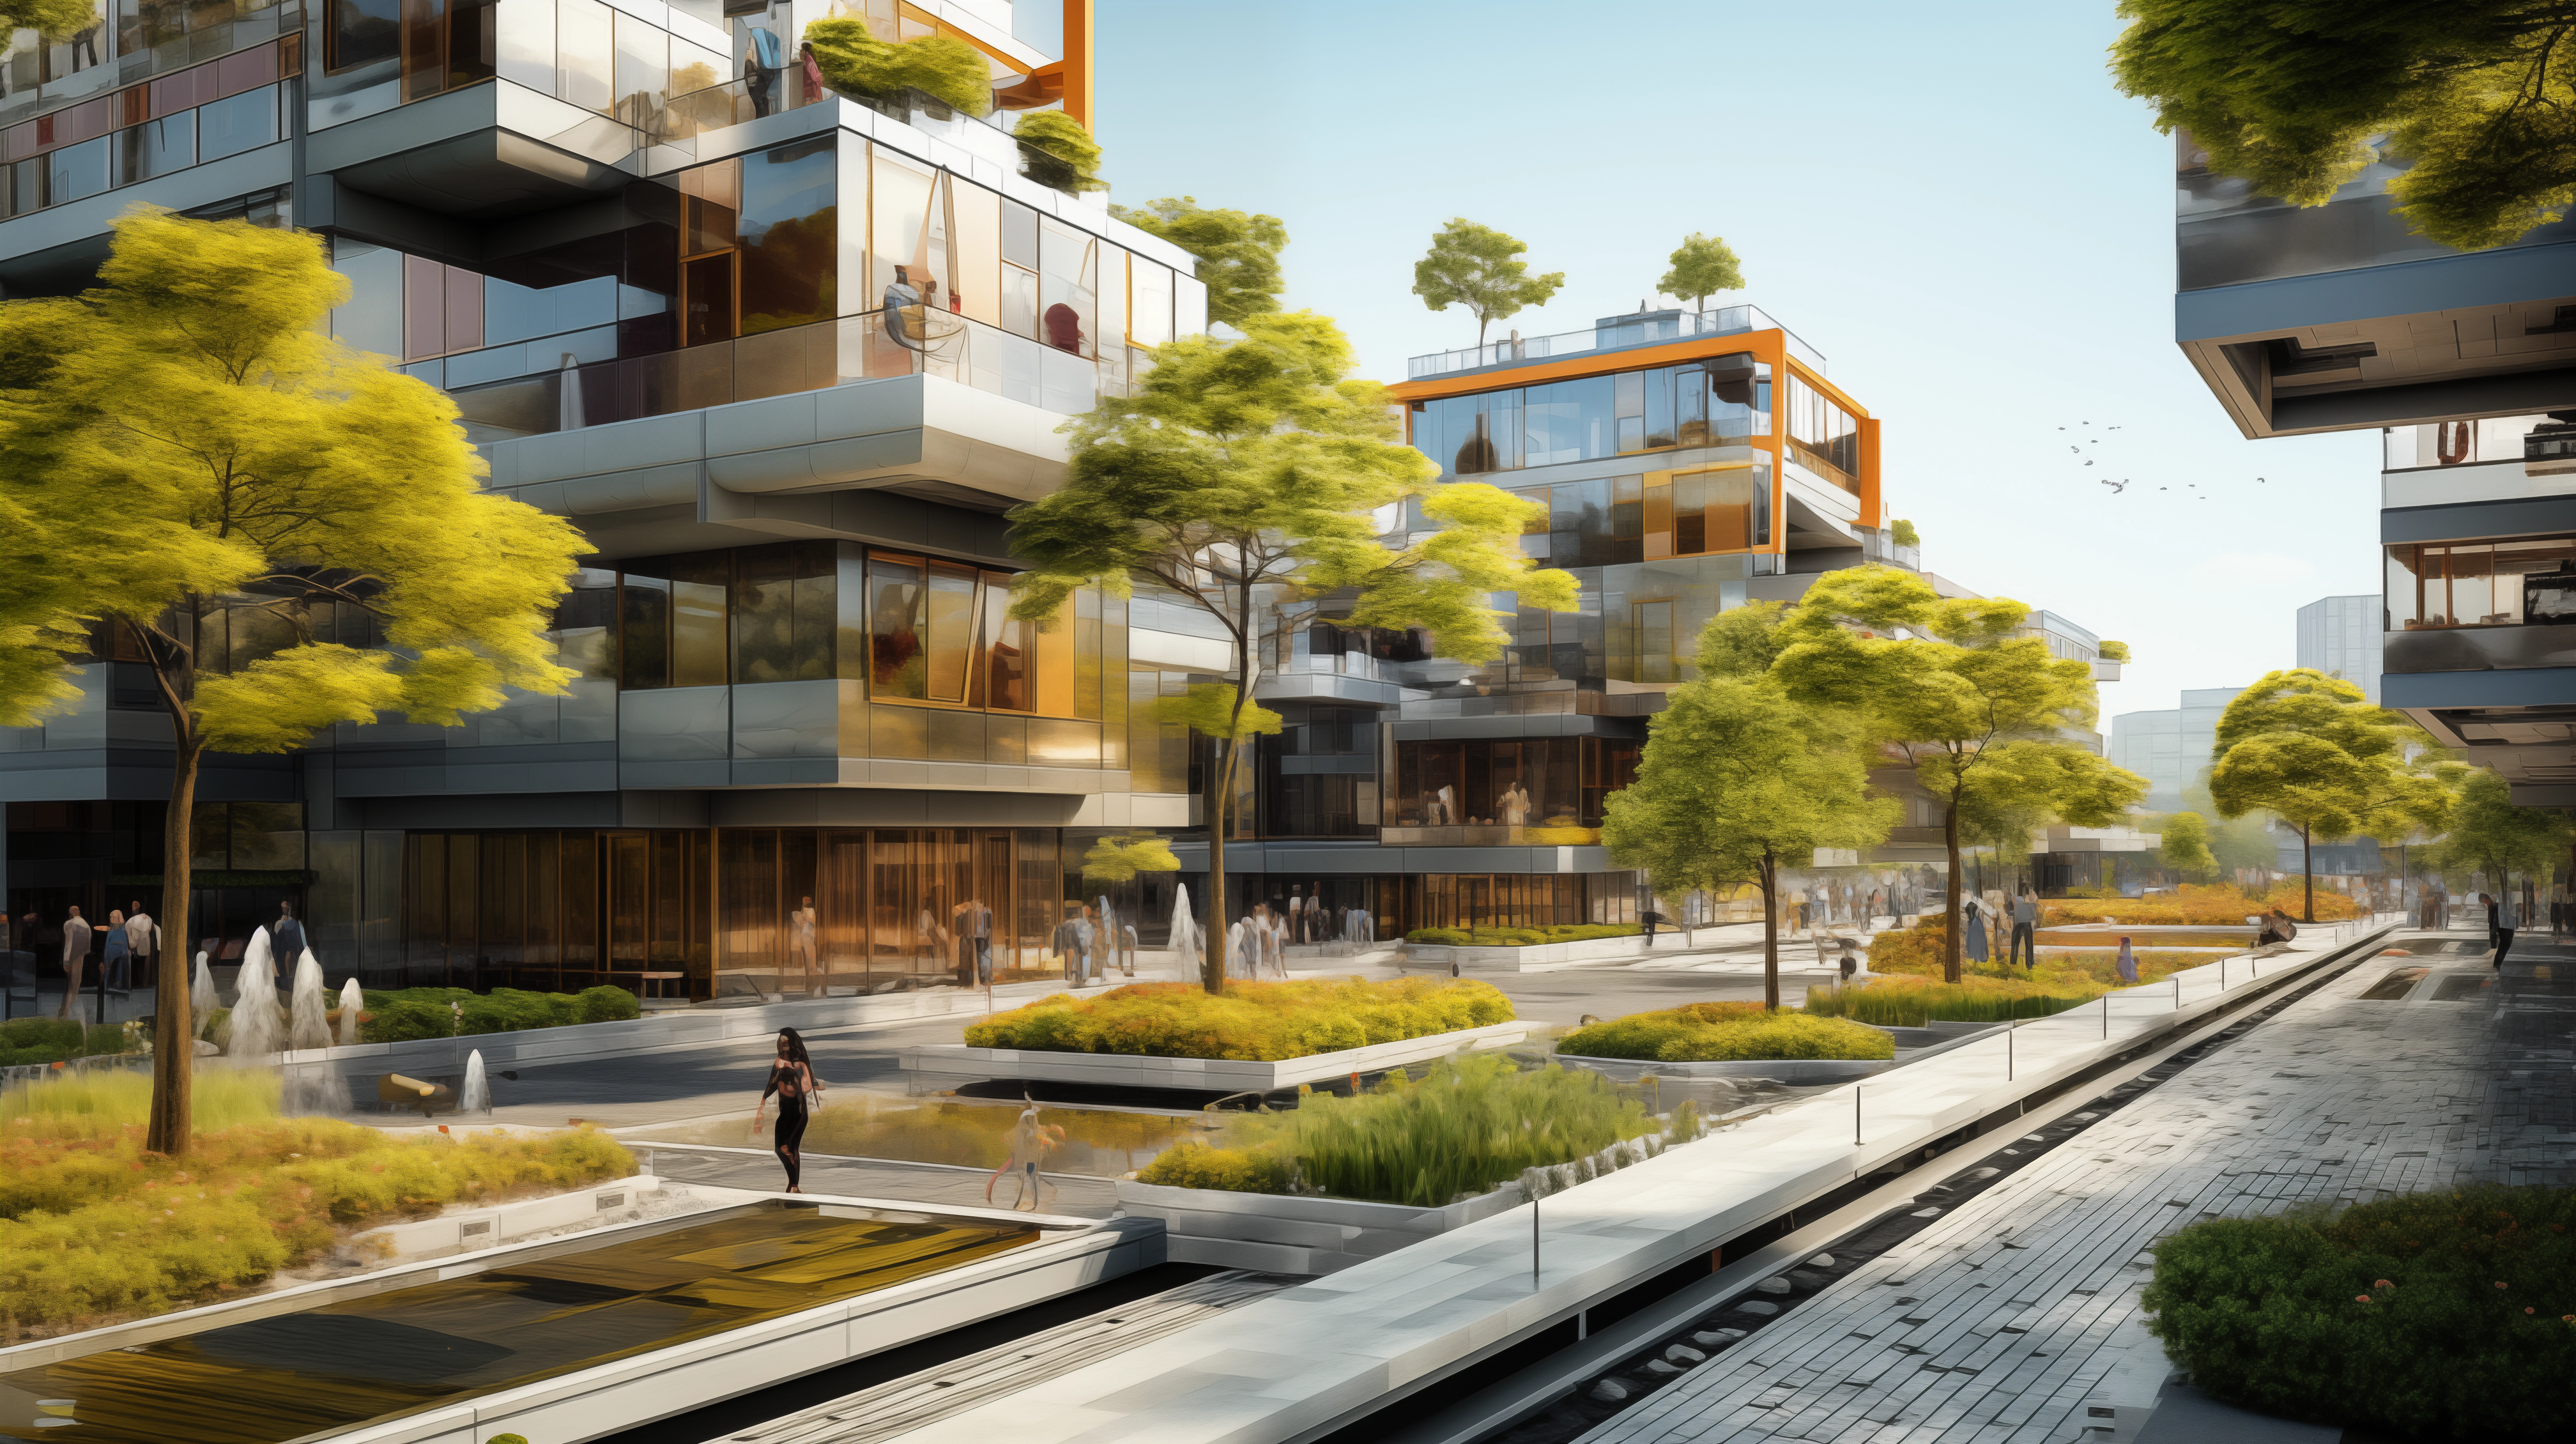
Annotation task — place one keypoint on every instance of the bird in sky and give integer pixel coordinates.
(2116, 486)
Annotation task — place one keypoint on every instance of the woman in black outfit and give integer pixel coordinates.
(791, 1077)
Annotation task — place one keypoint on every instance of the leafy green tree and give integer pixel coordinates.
(1480, 268)
(852, 58)
(187, 441)
(1119, 859)
(1238, 252)
(2478, 95)
(1066, 157)
(1240, 480)
(2314, 752)
(1735, 780)
(52, 19)
(2185, 848)
(1902, 532)
(1702, 267)
(1982, 718)
(1741, 641)
(2114, 651)
(2488, 833)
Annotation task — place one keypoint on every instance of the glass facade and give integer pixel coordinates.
(193, 116)
(1822, 435)
(1544, 791)
(1586, 419)
(2481, 583)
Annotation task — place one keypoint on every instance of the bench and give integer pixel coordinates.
(651, 978)
(395, 1090)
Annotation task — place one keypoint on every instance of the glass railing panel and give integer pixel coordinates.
(154, 41)
(1614, 334)
(683, 118)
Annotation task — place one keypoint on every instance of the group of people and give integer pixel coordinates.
(126, 946)
(1832, 900)
(2013, 919)
(1090, 941)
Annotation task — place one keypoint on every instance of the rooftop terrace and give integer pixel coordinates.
(1614, 333)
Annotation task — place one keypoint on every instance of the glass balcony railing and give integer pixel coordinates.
(679, 121)
(816, 357)
(147, 40)
(1619, 333)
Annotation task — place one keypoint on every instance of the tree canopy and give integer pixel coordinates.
(2478, 96)
(2488, 833)
(1480, 268)
(53, 19)
(2314, 752)
(1736, 780)
(1238, 252)
(1984, 719)
(854, 59)
(1241, 479)
(2185, 845)
(1702, 267)
(186, 446)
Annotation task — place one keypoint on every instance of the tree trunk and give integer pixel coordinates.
(1769, 877)
(1220, 792)
(2307, 875)
(1950, 946)
(174, 1033)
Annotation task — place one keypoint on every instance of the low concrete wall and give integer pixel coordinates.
(1281, 1233)
(1913, 1045)
(1537, 956)
(480, 1228)
(941, 1066)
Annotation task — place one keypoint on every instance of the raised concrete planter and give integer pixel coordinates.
(1288, 1234)
(941, 1066)
(481, 1228)
(1913, 1045)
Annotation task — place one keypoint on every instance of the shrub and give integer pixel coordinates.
(1726, 1032)
(392, 1017)
(1473, 1124)
(96, 1228)
(2426, 1316)
(1058, 152)
(2197, 904)
(852, 58)
(1522, 937)
(1249, 1021)
(57, 1040)
(1911, 1002)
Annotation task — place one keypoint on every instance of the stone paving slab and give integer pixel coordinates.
(1998, 1322)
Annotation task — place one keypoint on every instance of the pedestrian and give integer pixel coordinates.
(1652, 919)
(791, 1077)
(2128, 964)
(142, 943)
(2025, 932)
(2502, 919)
(1850, 961)
(286, 940)
(76, 931)
(801, 928)
(1975, 945)
(976, 921)
(815, 89)
(760, 67)
(113, 952)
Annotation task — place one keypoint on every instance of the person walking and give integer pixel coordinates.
(76, 931)
(1652, 919)
(113, 952)
(2025, 932)
(2502, 919)
(1974, 948)
(286, 940)
(791, 1077)
(976, 921)
(142, 943)
(2127, 964)
(815, 89)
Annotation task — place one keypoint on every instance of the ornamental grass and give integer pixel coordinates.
(1726, 1033)
(1522, 937)
(94, 1230)
(1910, 1002)
(2434, 1315)
(1470, 1126)
(1916, 952)
(2198, 904)
(1249, 1022)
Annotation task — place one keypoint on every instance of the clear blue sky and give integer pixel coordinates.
(1949, 201)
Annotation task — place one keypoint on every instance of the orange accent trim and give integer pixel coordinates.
(1765, 346)
(1873, 505)
(1077, 61)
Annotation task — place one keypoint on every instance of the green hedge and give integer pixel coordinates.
(56, 1040)
(425, 1012)
(1726, 1033)
(1521, 937)
(2438, 1315)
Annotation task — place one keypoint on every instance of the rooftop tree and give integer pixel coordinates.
(2478, 96)
(1480, 268)
(1238, 252)
(187, 441)
(1702, 267)
(1242, 479)
(1985, 720)
(2312, 750)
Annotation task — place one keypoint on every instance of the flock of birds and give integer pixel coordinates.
(2122, 484)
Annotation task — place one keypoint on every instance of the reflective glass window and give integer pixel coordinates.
(643, 68)
(785, 606)
(229, 127)
(897, 619)
(977, 238)
(524, 51)
(1019, 235)
(1149, 321)
(585, 54)
(695, 68)
(1058, 671)
(951, 605)
(644, 632)
(1068, 287)
(698, 633)
(788, 240)
(1566, 421)
(2404, 600)
(363, 32)
(1008, 660)
(79, 171)
(899, 241)
(156, 147)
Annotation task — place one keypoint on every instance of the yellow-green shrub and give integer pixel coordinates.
(1521, 937)
(2198, 904)
(1726, 1032)
(1910, 1002)
(1250, 1021)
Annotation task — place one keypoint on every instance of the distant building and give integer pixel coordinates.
(2340, 636)
(2171, 748)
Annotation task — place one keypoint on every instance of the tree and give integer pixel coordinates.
(2113, 651)
(52, 19)
(1902, 532)
(2313, 751)
(2186, 845)
(1119, 859)
(1480, 268)
(1735, 779)
(187, 442)
(1238, 252)
(2488, 834)
(1703, 266)
(2479, 95)
(1240, 480)
(1059, 152)
(943, 67)
(1982, 718)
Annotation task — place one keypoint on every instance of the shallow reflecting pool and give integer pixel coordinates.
(338, 1365)
(1098, 1142)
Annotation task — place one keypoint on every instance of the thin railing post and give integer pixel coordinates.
(1855, 1115)
(2106, 1015)
(2011, 1026)
(1533, 1243)
(2177, 982)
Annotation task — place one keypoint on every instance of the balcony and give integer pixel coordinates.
(680, 126)
(1652, 328)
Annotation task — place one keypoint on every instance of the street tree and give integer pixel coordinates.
(1702, 267)
(2185, 845)
(1241, 480)
(1986, 721)
(185, 448)
(2488, 833)
(1238, 252)
(1736, 781)
(2477, 97)
(1480, 268)
(2312, 750)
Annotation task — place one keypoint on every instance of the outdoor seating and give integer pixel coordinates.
(395, 1090)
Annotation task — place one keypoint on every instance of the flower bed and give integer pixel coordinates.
(97, 1229)
(1521, 937)
(2429, 1316)
(2198, 903)
(1470, 1126)
(1912, 1002)
(1916, 952)
(1726, 1032)
(1251, 1022)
